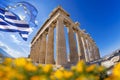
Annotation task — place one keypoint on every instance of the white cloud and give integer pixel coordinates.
(11, 51)
(3, 47)
(15, 39)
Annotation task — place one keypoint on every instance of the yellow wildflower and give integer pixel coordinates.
(12, 74)
(40, 65)
(100, 68)
(61, 68)
(58, 74)
(112, 77)
(4, 78)
(67, 74)
(20, 62)
(29, 60)
(35, 78)
(7, 61)
(7, 69)
(80, 66)
(73, 67)
(116, 70)
(108, 79)
(47, 68)
(43, 77)
(30, 67)
(1, 73)
(19, 76)
(52, 77)
(38, 78)
(81, 78)
(90, 68)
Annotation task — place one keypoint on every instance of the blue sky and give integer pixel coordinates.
(100, 18)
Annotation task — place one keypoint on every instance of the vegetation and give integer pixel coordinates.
(23, 69)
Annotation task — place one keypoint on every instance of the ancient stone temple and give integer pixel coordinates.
(81, 45)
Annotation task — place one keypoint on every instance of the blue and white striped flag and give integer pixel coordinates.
(10, 22)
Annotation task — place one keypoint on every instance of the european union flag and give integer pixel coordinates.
(10, 22)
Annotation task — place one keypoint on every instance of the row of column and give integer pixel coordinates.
(43, 50)
(90, 49)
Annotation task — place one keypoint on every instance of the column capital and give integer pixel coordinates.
(76, 30)
(39, 39)
(84, 31)
(89, 38)
(60, 17)
(44, 34)
(77, 24)
(67, 24)
(52, 25)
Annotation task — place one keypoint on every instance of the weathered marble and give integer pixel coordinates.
(81, 45)
(49, 59)
(42, 49)
(60, 42)
(81, 52)
(72, 45)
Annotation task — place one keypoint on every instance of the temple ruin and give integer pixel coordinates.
(81, 45)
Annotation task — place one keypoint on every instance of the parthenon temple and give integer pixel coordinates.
(81, 45)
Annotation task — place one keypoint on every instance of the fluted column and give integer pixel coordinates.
(91, 54)
(43, 49)
(97, 53)
(60, 42)
(85, 48)
(33, 56)
(35, 53)
(72, 45)
(94, 53)
(31, 53)
(38, 49)
(87, 51)
(50, 47)
(81, 52)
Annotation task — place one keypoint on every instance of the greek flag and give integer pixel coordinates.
(10, 22)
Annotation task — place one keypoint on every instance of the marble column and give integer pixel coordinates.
(42, 49)
(50, 46)
(38, 49)
(91, 54)
(72, 45)
(85, 47)
(93, 51)
(31, 53)
(35, 52)
(60, 42)
(97, 53)
(81, 52)
(87, 51)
